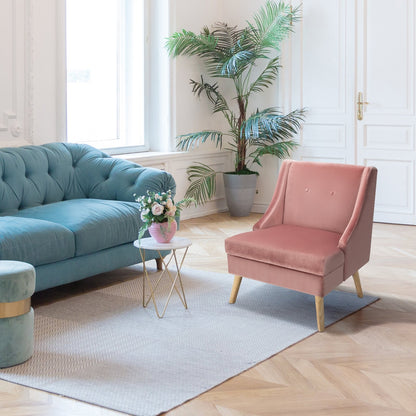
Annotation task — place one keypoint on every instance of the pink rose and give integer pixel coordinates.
(172, 211)
(157, 209)
(169, 203)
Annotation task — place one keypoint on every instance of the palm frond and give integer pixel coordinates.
(234, 52)
(227, 37)
(266, 78)
(270, 125)
(191, 140)
(212, 92)
(188, 43)
(272, 24)
(184, 203)
(203, 183)
(281, 150)
(236, 64)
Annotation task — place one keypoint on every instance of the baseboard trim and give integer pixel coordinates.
(203, 211)
(219, 206)
(259, 208)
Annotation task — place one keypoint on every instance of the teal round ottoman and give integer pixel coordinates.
(17, 284)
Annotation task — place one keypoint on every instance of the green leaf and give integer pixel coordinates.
(214, 96)
(142, 230)
(203, 183)
(189, 44)
(236, 64)
(270, 125)
(234, 52)
(266, 78)
(272, 24)
(227, 37)
(191, 140)
(281, 150)
(184, 203)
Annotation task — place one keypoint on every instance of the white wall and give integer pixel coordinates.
(32, 98)
(28, 81)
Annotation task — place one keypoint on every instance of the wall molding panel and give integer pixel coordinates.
(322, 61)
(29, 74)
(14, 40)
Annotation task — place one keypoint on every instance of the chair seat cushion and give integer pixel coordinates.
(304, 249)
(34, 241)
(97, 224)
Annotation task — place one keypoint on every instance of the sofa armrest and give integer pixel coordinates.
(120, 180)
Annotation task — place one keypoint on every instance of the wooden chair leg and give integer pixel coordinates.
(159, 263)
(357, 282)
(320, 315)
(235, 289)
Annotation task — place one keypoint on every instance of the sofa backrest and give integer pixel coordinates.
(321, 195)
(37, 175)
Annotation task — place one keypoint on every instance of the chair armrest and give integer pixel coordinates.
(274, 213)
(355, 241)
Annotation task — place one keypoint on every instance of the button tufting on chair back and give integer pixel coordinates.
(319, 196)
(315, 233)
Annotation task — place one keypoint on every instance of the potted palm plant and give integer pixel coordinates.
(248, 59)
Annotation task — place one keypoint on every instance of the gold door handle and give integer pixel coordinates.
(360, 106)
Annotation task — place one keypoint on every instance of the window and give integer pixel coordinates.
(105, 73)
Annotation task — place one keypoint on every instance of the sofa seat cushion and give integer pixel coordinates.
(304, 249)
(97, 224)
(34, 241)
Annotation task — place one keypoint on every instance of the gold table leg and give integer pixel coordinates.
(174, 280)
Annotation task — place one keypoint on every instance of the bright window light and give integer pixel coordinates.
(105, 91)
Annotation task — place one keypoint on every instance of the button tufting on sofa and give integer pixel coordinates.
(68, 219)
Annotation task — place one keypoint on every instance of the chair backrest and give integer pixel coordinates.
(321, 195)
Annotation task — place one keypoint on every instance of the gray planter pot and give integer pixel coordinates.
(239, 193)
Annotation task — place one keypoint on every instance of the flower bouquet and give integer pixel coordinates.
(158, 212)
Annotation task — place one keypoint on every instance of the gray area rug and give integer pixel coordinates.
(104, 348)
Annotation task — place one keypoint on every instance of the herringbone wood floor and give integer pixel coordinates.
(363, 365)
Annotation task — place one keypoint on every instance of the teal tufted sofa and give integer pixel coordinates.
(68, 209)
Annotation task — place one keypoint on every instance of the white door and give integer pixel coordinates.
(386, 78)
(340, 49)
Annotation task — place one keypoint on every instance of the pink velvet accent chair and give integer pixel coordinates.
(314, 235)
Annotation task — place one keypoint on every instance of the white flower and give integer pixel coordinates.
(144, 212)
(149, 200)
(157, 209)
(169, 204)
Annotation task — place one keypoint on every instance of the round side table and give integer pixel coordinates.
(175, 244)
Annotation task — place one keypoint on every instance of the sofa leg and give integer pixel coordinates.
(357, 282)
(320, 315)
(159, 263)
(235, 289)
